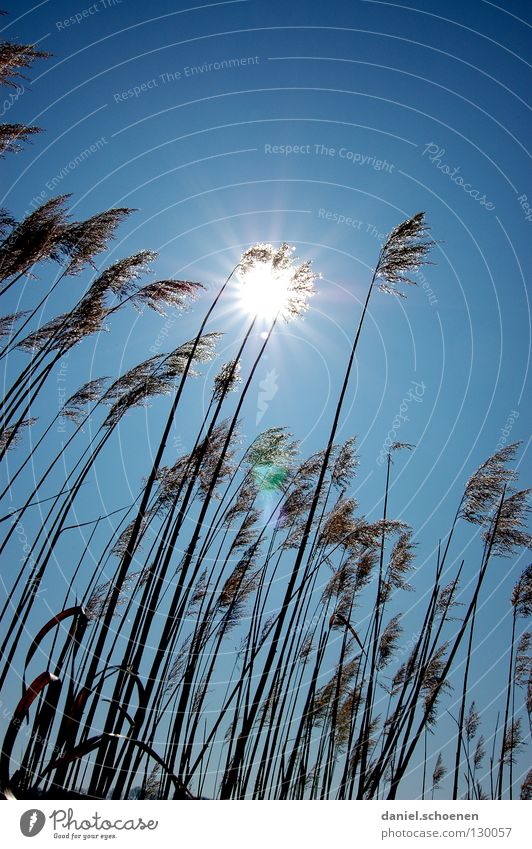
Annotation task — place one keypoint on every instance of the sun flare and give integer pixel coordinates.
(272, 285)
(264, 290)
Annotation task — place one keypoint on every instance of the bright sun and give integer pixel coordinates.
(264, 291)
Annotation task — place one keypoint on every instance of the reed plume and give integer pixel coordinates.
(403, 252)
(12, 137)
(14, 58)
(439, 774)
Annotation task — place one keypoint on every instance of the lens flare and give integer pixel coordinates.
(271, 284)
(264, 290)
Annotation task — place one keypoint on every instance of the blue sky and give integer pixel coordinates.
(323, 125)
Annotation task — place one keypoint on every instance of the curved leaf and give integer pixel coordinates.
(79, 701)
(55, 620)
(92, 743)
(30, 694)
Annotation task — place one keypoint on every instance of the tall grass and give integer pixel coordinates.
(121, 686)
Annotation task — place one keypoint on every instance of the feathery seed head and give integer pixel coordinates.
(173, 293)
(522, 594)
(439, 772)
(526, 787)
(89, 392)
(7, 323)
(14, 57)
(485, 487)
(510, 532)
(11, 436)
(226, 380)
(388, 641)
(403, 252)
(11, 136)
(472, 722)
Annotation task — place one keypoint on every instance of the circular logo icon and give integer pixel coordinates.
(32, 822)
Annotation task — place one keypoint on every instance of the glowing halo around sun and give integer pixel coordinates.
(264, 290)
(271, 285)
